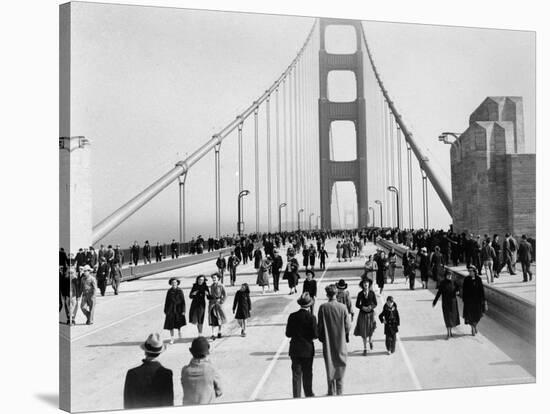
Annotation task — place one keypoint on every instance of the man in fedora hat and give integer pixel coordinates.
(301, 328)
(88, 285)
(333, 328)
(199, 379)
(149, 385)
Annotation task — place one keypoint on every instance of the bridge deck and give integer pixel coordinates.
(258, 366)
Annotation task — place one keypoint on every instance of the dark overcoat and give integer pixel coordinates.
(473, 296)
(174, 309)
(301, 328)
(447, 291)
(149, 385)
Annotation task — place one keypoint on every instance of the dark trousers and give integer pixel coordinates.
(322, 264)
(233, 275)
(302, 372)
(158, 257)
(390, 342)
(507, 262)
(412, 276)
(526, 269)
(102, 285)
(276, 275)
(220, 271)
(135, 260)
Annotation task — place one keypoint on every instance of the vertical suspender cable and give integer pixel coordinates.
(256, 170)
(278, 152)
(399, 174)
(285, 154)
(268, 144)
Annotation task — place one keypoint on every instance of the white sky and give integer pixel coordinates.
(152, 84)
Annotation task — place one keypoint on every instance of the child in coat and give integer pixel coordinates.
(390, 318)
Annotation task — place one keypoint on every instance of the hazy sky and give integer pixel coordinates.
(150, 85)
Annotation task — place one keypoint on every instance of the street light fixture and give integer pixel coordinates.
(299, 211)
(381, 217)
(394, 189)
(310, 216)
(280, 208)
(372, 217)
(240, 223)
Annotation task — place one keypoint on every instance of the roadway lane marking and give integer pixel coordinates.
(406, 358)
(285, 340)
(117, 322)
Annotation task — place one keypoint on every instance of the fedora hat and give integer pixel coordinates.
(342, 284)
(200, 346)
(305, 300)
(172, 279)
(153, 344)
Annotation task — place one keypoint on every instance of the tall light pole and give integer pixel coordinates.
(318, 222)
(393, 189)
(310, 216)
(372, 216)
(381, 217)
(240, 223)
(299, 211)
(280, 208)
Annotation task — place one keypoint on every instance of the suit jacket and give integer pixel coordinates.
(149, 385)
(301, 327)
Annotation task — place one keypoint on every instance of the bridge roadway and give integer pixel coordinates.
(258, 367)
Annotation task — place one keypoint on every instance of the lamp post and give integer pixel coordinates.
(381, 217)
(240, 223)
(299, 211)
(318, 222)
(310, 216)
(280, 208)
(372, 216)
(393, 189)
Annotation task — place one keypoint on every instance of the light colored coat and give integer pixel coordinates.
(200, 382)
(334, 326)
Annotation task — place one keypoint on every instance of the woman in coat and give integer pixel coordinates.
(437, 267)
(382, 267)
(305, 255)
(216, 315)
(198, 294)
(174, 309)
(473, 296)
(257, 258)
(424, 267)
(242, 306)
(447, 291)
(366, 302)
(263, 274)
(312, 255)
(291, 274)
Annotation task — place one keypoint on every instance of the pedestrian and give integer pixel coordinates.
(276, 267)
(390, 318)
(232, 263)
(323, 255)
(310, 286)
(343, 297)
(305, 255)
(370, 267)
(158, 253)
(257, 258)
(146, 252)
(525, 255)
(392, 264)
(366, 324)
(507, 254)
(242, 307)
(291, 273)
(339, 251)
(312, 255)
(221, 265)
(263, 274)
(333, 328)
(149, 385)
(134, 250)
(436, 265)
(447, 291)
(198, 294)
(174, 309)
(89, 288)
(382, 268)
(200, 380)
(408, 268)
(488, 256)
(174, 250)
(65, 285)
(216, 298)
(423, 263)
(102, 275)
(473, 296)
(301, 328)
(495, 244)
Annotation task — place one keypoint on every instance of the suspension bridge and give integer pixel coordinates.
(296, 128)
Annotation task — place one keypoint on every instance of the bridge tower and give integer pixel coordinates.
(332, 171)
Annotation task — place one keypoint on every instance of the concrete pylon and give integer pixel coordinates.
(334, 171)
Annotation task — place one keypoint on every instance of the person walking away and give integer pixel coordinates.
(437, 266)
(507, 255)
(333, 328)
(197, 310)
(263, 274)
(276, 267)
(390, 318)
(89, 289)
(495, 244)
(473, 296)
(257, 258)
(424, 266)
(158, 253)
(174, 309)
(242, 307)
(382, 268)
(343, 297)
(488, 256)
(200, 380)
(447, 291)
(216, 299)
(392, 264)
(525, 256)
(301, 328)
(323, 255)
(310, 286)
(365, 326)
(232, 263)
(291, 274)
(221, 265)
(312, 255)
(102, 275)
(149, 385)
